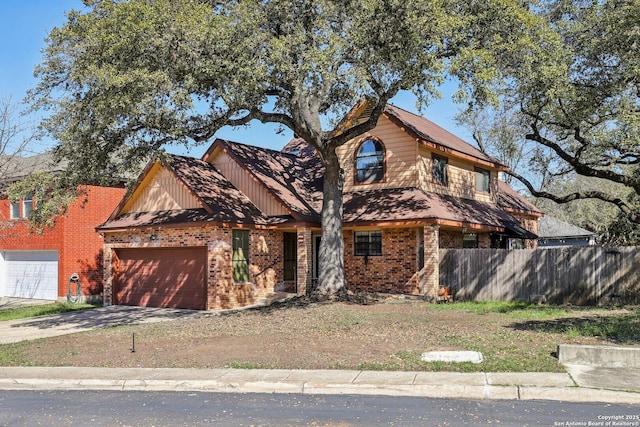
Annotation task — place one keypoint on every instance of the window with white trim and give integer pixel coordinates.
(15, 209)
(22, 208)
(27, 205)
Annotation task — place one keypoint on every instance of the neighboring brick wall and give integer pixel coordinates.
(73, 236)
(452, 239)
(265, 260)
(484, 241)
(393, 272)
(83, 246)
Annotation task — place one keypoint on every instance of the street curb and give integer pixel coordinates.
(476, 386)
(599, 355)
(514, 392)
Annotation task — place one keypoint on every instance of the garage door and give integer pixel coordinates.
(174, 278)
(31, 274)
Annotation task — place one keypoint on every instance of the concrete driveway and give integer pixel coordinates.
(86, 320)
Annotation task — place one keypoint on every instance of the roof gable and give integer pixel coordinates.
(510, 200)
(431, 134)
(161, 191)
(294, 180)
(215, 197)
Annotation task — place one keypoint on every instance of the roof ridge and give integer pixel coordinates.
(271, 150)
(432, 132)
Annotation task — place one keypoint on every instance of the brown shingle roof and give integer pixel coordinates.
(182, 217)
(428, 131)
(221, 201)
(412, 204)
(295, 175)
(295, 180)
(510, 200)
(218, 195)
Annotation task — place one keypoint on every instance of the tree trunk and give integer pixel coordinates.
(331, 278)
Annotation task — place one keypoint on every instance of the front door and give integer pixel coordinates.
(290, 252)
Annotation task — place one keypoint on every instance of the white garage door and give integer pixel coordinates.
(31, 274)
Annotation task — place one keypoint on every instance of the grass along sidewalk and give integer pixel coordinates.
(391, 334)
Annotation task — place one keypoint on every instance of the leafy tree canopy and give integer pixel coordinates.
(586, 111)
(123, 78)
(140, 74)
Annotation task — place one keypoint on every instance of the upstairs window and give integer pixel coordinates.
(440, 170)
(240, 259)
(483, 180)
(370, 162)
(15, 209)
(27, 205)
(368, 243)
(22, 208)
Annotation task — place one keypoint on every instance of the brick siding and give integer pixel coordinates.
(265, 260)
(401, 269)
(73, 236)
(394, 272)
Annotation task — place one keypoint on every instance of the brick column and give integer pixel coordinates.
(107, 268)
(220, 278)
(304, 268)
(430, 273)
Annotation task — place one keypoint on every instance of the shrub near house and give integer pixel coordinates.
(243, 221)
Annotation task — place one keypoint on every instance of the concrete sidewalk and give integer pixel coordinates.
(581, 383)
(516, 386)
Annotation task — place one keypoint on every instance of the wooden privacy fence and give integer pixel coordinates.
(568, 275)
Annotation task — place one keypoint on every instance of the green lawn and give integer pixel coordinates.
(41, 310)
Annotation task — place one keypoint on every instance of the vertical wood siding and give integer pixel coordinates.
(570, 275)
(400, 155)
(244, 182)
(164, 192)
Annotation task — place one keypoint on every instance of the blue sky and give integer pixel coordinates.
(24, 25)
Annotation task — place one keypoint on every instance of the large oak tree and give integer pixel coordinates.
(123, 78)
(586, 110)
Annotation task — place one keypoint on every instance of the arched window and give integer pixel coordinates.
(370, 161)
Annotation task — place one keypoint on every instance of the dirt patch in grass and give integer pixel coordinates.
(387, 333)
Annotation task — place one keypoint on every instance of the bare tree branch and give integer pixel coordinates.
(621, 204)
(582, 168)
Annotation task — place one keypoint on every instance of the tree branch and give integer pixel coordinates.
(582, 168)
(371, 122)
(621, 204)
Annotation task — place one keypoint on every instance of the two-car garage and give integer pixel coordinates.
(160, 277)
(29, 274)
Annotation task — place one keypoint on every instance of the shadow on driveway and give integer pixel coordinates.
(84, 320)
